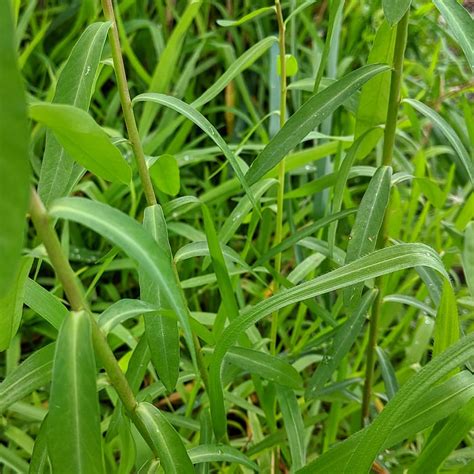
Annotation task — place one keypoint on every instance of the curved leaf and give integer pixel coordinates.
(378, 263)
(307, 117)
(448, 132)
(220, 453)
(395, 9)
(127, 234)
(245, 18)
(166, 441)
(123, 310)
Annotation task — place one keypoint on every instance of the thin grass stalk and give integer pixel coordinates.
(126, 102)
(389, 141)
(281, 166)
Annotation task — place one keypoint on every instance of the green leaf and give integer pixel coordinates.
(219, 453)
(373, 102)
(245, 18)
(378, 263)
(368, 223)
(11, 305)
(395, 9)
(468, 257)
(166, 441)
(162, 333)
(447, 329)
(122, 311)
(433, 405)
(14, 154)
(73, 432)
(44, 303)
(12, 460)
(291, 65)
(39, 458)
(32, 374)
(127, 234)
(198, 119)
(388, 373)
(266, 366)
(83, 139)
(59, 173)
(294, 426)
(460, 23)
(308, 117)
(446, 129)
(166, 66)
(343, 341)
(165, 174)
(445, 441)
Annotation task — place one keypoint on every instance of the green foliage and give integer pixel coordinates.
(226, 270)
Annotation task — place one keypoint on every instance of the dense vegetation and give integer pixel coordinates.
(236, 236)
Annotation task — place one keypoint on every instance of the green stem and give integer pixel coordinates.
(126, 102)
(281, 166)
(389, 141)
(75, 294)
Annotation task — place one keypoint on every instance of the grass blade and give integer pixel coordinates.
(308, 117)
(468, 257)
(14, 155)
(83, 139)
(167, 442)
(11, 305)
(198, 119)
(461, 24)
(245, 18)
(162, 333)
(368, 223)
(447, 321)
(220, 453)
(75, 85)
(462, 155)
(343, 341)
(395, 9)
(74, 441)
(266, 366)
(378, 263)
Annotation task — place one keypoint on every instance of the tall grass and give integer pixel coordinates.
(236, 239)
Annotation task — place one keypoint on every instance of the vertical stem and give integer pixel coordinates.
(126, 102)
(77, 300)
(389, 141)
(281, 166)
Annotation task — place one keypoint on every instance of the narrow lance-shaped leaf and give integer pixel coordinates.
(432, 406)
(83, 139)
(367, 225)
(343, 341)
(127, 234)
(308, 117)
(14, 160)
(245, 18)
(75, 84)
(197, 118)
(73, 430)
(381, 262)
(373, 102)
(220, 453)
(461, 24)
(11, 305)
(468, 257)
(447, 321)
(167, 63)
(266, 366)
(166, 441)
(462, 155)
(32, 374)
(395, 9)
(294, 425)
(161, 333)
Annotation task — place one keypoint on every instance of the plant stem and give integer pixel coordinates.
(388, 145)
(281, 166)
(77, 300)
(126, 102)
